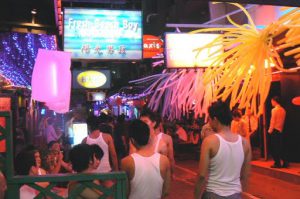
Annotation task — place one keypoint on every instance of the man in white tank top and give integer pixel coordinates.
(161, 142)
(105, 142)
(225, 155)
(147, 171)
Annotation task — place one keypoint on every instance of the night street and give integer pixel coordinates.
(260, 186)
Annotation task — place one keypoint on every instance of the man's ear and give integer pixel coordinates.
(91, 162)
(216, 119)
(133, 142)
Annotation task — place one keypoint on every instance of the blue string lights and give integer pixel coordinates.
(17, 55)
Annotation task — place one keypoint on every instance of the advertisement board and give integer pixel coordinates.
(103, 34)
(180, 49)
(152, 46)
(91, 78)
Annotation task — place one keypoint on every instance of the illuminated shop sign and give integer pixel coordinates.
(91, 79)
(181, 50)
(152, 46)
(103, 34)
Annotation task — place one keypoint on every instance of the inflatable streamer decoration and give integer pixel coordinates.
(243, 70)
(178, 92)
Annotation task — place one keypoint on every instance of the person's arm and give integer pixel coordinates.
(166, 175)
(57, 164)
(3, 185)
(171, 154)
(67, 166)
(254, 123)
(203, 131)
(63, 164)
(272, 121)
(203, 167)
(127, 165)
(246, 164)
(112, 153)
(245, 128)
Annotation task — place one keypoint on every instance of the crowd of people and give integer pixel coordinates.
(144, 149)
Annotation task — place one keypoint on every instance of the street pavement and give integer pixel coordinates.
(259, 187)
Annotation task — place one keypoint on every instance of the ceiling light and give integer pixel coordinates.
(33, 11)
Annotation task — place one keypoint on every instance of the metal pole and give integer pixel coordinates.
(265, 134)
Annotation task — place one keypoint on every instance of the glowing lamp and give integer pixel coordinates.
(296, 101)
(51, 79)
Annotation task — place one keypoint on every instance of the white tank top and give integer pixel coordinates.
(159, 136)
(104, 166)
(225, 168)
(147, 182)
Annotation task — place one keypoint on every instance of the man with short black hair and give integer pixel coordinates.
(161, 142)
(85, 159)
(226, 155)
(147, 171)
(105, 142)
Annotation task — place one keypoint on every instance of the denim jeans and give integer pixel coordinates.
(211, 195)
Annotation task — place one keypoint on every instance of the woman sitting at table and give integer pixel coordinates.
(28, 162)
(85, 159)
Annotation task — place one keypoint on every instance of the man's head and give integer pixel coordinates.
(54, 145)
(82, 157)
(105, 128)
(93, 123)
(139, 133)
(24, 161)
(150, 118)
(97, 155)
(219, 113)
(237, 114)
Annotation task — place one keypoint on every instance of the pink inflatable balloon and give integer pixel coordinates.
(51, 79)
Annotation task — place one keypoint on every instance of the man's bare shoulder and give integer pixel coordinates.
(167, 138)
(128, 161)
(107, 137)
(211, 140)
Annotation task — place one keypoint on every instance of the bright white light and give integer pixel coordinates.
(180, 49)
(80, 131)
